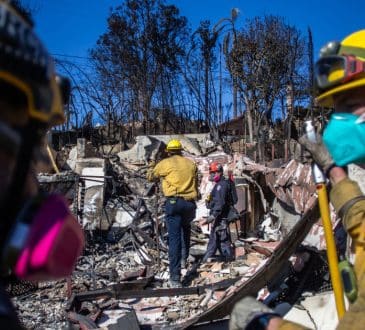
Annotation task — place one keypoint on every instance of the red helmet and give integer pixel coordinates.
(215, 167)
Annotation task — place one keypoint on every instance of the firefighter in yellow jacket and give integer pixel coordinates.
(179, 186)
(340, 82)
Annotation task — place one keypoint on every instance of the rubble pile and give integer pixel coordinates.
(123, 273)
(106, 265)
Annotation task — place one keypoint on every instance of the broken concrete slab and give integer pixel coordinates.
(123, 218)
(315, 312)
(62, 183)
(145, 149)
(91, 193)
(192, 143)
(150, 147)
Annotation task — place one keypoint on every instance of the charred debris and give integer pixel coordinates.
(120, 282)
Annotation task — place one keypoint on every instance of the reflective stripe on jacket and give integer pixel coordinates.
(349, 201)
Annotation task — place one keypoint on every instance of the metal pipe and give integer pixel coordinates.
(320, 182)
(331, 249)
(52, 160)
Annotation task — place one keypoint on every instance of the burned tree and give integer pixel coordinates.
(201, 59)
(140, 51)
(266, 58)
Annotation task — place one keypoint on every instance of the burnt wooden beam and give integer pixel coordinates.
(119, 291)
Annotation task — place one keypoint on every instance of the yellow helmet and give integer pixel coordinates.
(341, 67)
(174, 145)
(27, 74)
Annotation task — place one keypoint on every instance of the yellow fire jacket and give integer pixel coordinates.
(349, 203)
(179, 177)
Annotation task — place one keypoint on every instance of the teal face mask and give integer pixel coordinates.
(344, 138)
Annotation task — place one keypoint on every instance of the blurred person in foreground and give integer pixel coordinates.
(39, 238)
(340, 83)
(180, 187)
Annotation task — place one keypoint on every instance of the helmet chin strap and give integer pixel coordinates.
(30, 137)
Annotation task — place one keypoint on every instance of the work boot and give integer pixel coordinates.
(228, 258)
(175, 283)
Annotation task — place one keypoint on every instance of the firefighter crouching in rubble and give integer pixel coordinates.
(219, 203)
(340, 82)
(39, 238)
(180, 187)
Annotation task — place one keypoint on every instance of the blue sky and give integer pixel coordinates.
(72, 26)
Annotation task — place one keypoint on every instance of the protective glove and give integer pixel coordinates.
(246, 314)
(211, 218)
(151, 163)
(319, 152)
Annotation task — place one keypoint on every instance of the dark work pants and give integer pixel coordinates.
(219, 239)
(179, 214)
